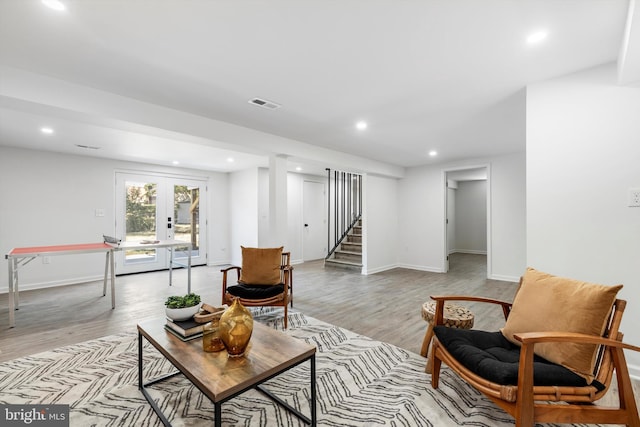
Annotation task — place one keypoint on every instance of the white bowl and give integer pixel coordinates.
(182, 313)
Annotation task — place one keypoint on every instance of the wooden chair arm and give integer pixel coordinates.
(441, 299)
(469, 298)
(524, 391)
(224, 272)
(529, 338)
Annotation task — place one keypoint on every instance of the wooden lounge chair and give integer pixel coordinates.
(265, 279)
(528, 386)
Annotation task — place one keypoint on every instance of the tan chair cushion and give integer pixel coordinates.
(261, 266)
(547, 303)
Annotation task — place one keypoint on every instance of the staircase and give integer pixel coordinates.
(344, 228)
(349, 252)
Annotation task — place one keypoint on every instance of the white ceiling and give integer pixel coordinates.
(167, 80)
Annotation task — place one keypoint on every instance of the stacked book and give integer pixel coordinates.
(186, 330)
(192, 328)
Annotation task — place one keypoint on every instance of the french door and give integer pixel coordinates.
(157, 207)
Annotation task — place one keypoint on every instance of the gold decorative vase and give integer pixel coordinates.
(211, 336)
(236, 326)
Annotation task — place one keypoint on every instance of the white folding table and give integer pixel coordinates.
(19, 257)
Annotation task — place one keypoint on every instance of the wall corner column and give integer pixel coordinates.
(277, 201)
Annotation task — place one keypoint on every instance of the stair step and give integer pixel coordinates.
(343, 264)
(348, 256)
(351, 247)
(354, 238)
(347, 252)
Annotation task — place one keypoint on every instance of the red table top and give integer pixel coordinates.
(80, 247)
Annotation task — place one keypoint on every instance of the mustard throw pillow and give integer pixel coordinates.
(261, 266)
(547, 303)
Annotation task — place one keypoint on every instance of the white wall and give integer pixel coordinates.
(244, 213)
(264, 222)
(380, 224)
(50, 198)
(583, 155)
(422, 216)
(218, 221)
(421, 219)
(471, 217)
(508, 217)
(250, 212)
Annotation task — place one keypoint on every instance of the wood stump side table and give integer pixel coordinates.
(454, 316)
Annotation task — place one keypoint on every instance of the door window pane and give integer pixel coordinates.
(187, 217)
(140, 219)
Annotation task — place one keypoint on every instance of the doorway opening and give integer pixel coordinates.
(467, 215)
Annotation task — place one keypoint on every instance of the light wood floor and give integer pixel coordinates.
(385, 306)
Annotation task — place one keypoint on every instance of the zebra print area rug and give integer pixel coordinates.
(360, 382)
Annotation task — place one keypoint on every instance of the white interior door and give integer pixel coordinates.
(314, 215)
(154, 207)
(450, 228)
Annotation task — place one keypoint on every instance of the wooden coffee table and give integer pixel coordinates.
(221, 378)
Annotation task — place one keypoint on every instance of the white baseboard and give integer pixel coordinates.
(218, 262)
(421, 268)
(515, 279)
(52, 284)
(634, 372)
(379, 269)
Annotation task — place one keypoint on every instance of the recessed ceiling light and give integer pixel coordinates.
(54, 4)
(361, 125)
(175, 162)
(537, 37)
(433, 153)
(230, 160)
(298, 168)
(46, 130)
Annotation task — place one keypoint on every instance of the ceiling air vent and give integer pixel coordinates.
(88, 147)
(264, 103)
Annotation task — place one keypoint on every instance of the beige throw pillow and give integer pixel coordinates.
(261, 266)
(547, 303)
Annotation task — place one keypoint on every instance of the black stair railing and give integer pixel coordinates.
(344, 206)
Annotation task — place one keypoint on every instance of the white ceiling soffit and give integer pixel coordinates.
(475, 174)
(159, 77)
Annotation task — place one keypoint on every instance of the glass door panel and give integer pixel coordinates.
(140, 224)
(186, 214)
(150, 207)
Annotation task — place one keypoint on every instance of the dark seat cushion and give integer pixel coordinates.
(245, 291)
(491, 356)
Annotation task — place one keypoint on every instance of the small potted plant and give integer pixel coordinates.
(182, 307)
